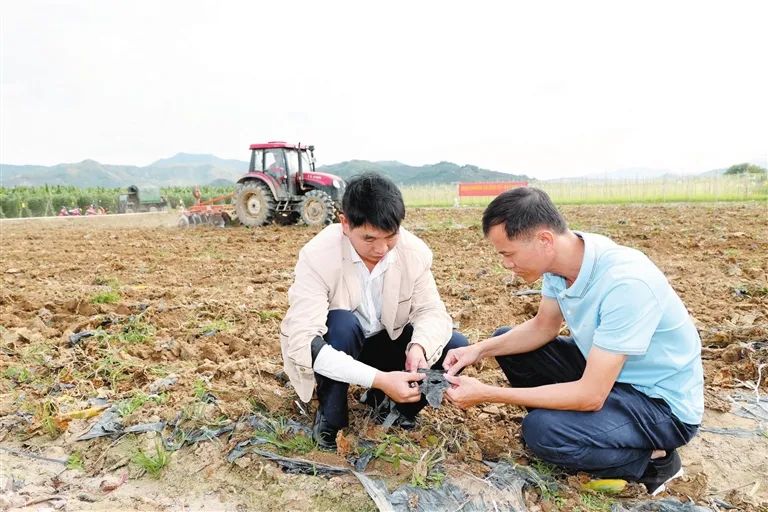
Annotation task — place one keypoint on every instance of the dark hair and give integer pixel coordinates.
(371, 198)
(522, 210)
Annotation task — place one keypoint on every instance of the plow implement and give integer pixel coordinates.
(214, 212)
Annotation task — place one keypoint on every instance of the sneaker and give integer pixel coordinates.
(324, 434)
(661, 471)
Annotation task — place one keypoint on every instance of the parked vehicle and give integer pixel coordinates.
(141, 199)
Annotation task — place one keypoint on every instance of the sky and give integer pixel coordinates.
(548, 89)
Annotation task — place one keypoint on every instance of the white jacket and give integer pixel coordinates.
(326, 279)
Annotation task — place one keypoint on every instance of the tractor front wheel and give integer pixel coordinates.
(254, 204)
(316, 208)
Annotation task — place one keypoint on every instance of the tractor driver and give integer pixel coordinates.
(364, 309)
(277, 168)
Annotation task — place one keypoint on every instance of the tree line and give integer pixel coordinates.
(745, 168)
(47, 200)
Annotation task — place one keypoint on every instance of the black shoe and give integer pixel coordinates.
(661, 471)
(324, 434)
(382, 406)
(379, 403)
(405, 422)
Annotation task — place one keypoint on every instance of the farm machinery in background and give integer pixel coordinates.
(281, 185)
(208, 211)
(141, 199)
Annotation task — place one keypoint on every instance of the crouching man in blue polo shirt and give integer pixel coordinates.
(617, 397)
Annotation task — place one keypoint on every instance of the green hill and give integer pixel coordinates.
(186, 169)
(402, 174)
(180, 170)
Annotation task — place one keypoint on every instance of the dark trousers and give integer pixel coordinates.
(615, 441)
(381, 352)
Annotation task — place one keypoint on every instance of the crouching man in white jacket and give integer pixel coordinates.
(364, 309)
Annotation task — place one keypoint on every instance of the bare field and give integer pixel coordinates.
(199, 309)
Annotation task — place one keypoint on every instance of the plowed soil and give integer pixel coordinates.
(201, 308)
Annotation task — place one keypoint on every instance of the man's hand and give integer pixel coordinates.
(415, 358)
(466, 391)
(402, 387)
(458, 358)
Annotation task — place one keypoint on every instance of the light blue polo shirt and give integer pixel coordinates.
(622, 303)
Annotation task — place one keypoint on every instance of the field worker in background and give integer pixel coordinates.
(617, 397)
(363, 308)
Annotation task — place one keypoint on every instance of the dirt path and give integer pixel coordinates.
(201, 308)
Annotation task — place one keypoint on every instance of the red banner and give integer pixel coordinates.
(488, 188)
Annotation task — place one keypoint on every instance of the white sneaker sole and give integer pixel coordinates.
(663, 486)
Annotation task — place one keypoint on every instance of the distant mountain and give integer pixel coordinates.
(221, 182)
(185, 169)
(194, 160)
(182, 169)
(713, 172)
(645, 173)
(630, 173)
(403, 174)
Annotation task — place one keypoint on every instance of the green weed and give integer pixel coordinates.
(106, 281)
(112, 369)
(153, 464)
(279, 434)
(267, 315)
(427, 472)
(135, 331)
(595, 502)
(159, 371)
(544, 475)
(215, 326)
(544, 469)
(38, 353)
(394, 450)
(75, 461)
(756, 291)
(200, 389)
(108, 297)
(257, 405)
(129, 405)
(46, 413)
(18, 374)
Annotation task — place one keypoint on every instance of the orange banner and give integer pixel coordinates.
(488, 188)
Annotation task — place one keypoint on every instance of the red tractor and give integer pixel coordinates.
(282, 185)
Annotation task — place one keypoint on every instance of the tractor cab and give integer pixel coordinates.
(284, 165)
(282, 185)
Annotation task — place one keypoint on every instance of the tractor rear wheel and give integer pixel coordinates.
(254, 204)
(316, 208)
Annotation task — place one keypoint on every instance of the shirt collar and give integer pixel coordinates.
(587, 269)
(385, 262)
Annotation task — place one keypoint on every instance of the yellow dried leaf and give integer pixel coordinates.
(605, 485)
(82, 414)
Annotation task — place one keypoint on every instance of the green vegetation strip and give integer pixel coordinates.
(743, 184)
